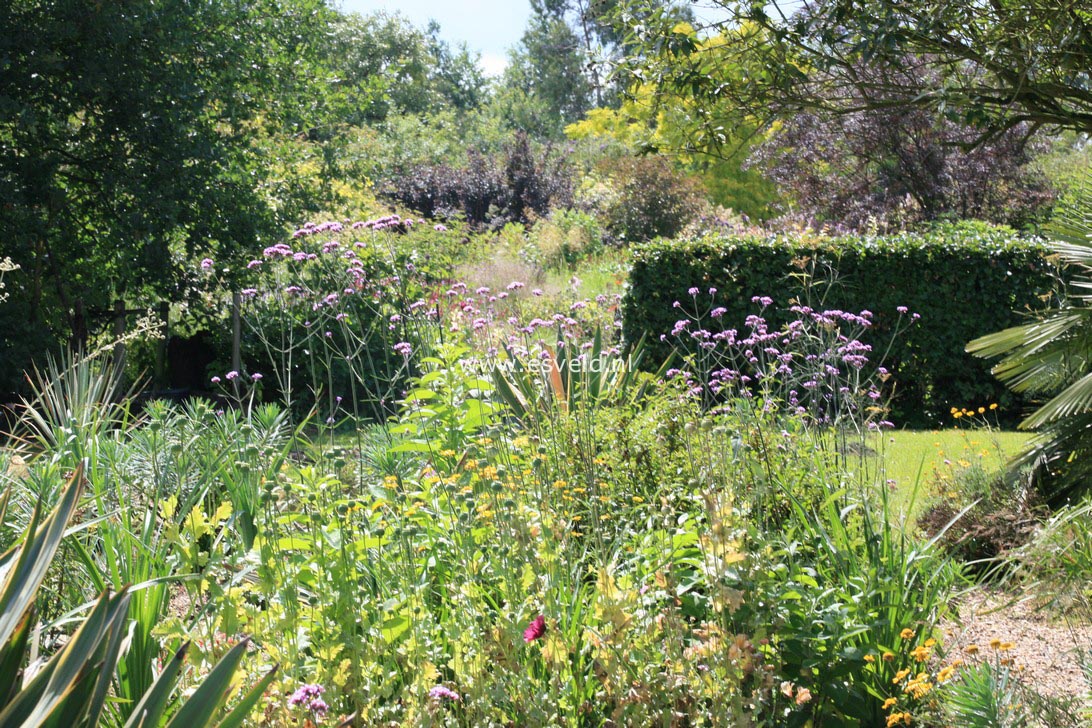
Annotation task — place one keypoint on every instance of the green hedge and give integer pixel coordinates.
(965, 280)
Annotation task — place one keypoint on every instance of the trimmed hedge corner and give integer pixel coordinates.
(964, 279)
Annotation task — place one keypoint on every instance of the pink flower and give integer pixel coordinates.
(443, 693)
(206, 263)
(536, 629)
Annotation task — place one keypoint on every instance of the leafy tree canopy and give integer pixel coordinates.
(1000, 63)
(126, 132)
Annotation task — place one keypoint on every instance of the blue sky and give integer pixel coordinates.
(489, 27)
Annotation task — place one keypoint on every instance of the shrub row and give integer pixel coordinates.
(965, 280)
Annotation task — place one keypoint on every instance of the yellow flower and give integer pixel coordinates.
(1005, 646)
(870, 658)
(981, 410)
(930, 642)
(995, 643)
(920, 653)
(971, 649)
(957, 415)
(888, 656)
(899, 676)
(946, 673)
(890, 702)
(993, 406)
(907, 634)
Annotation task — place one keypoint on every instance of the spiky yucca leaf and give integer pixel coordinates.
(71, 688)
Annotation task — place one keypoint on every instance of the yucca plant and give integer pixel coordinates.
(73, 687)
(1051, 357)
(74, 401)
(573, 377)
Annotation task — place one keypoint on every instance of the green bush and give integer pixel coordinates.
(964, 280)
(644, 198)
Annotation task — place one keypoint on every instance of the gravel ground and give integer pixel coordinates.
(1045, 650)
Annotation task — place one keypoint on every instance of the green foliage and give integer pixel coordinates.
(380, 65)
(1056, 563)
(573, 379)
(1048, 358)
(987, 695)
(964, 276)
(71, 688)
(126, 144)
(999, 64)
(641, 198)
(544, 86)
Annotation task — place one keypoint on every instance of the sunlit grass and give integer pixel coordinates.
(913, 461)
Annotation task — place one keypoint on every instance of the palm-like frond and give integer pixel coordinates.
(1052, 357)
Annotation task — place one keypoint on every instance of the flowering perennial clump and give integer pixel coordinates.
(309, 698)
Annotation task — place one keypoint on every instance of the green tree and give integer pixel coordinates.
(126, 132)
(379, 65)
(545, 86)
(1000, 63)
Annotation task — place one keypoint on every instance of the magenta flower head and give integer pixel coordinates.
(307, 696)
(443, 693)
(216, 380)
(536, 629)
(256, 376)
(206, 264)
(231, 375)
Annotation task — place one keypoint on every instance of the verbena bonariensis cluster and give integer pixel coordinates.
(815, 366)
(342, 314)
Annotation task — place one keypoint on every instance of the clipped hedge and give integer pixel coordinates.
(964, 279)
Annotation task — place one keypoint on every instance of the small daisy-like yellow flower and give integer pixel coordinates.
(957, 415)
(995, 643)
(900, 676)
(971, 649)
(930, 642)
(890, 702)
(1005, 646)
(888, 656)
(981, 410)
(920, 653)
(869, 658)
(907, 634)
(993, 406)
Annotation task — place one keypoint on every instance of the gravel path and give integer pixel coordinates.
(1044, 650)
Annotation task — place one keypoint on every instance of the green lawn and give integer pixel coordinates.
(923, 458)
